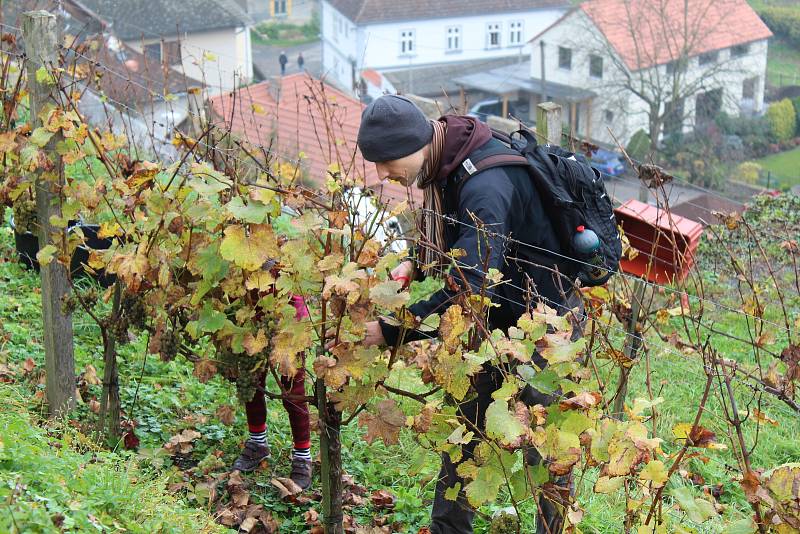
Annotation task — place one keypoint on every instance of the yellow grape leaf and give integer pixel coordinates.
(209, 56)
(258, 109)
(261, 280)
(656, 472)
(451, 326)
(330, 262)
(46, 254)
(254, 344)
(385, 294)
(328, 369)
(608, 484)
(249, 251)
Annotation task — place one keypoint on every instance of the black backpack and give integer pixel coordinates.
(573, 194)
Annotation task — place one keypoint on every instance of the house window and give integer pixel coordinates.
(609, 116)
(564, 58)
(279, 6)
(493, 35)
(171, 52)
(740, 50)
(708, 57)
(335, 31)
(453, 38)
(595, 66)
(515, 33)
(749, 88)
(406, 42)
(153, 51)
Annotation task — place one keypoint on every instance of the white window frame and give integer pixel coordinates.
(452, 36)
(494, 27)
(516, 32)
(335, 21)
(408, 42)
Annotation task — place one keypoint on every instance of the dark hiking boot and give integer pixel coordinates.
(252, 455)
(301, 472)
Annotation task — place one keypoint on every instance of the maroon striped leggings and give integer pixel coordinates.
(256, 409)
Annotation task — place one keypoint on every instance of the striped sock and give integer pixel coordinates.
(303, 453)
(259, 435)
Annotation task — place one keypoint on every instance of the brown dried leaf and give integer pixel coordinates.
(582, 401)
(28, 366)
(226, 414)
(90, 376)
(204, 370)
(382, 499)
(384, 424)
(287, 488)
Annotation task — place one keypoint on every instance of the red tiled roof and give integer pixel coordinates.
(290, 118)
(645, 33)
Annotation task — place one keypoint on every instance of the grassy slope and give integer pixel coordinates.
(784, 166)
(59, 476)
(784, 58)
(170, 399)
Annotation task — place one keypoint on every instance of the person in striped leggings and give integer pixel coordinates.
(256, 448)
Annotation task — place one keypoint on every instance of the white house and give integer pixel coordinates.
(693, 58)
(385, 35)
(208, 40)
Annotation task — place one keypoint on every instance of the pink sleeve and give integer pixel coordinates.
(299, 305)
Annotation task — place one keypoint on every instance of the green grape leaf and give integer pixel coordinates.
(502, 424)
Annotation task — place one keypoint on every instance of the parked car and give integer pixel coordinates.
(482, 110)
(608, 162)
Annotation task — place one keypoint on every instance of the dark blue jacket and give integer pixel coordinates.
(506, 201)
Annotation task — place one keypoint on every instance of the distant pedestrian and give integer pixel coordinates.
(300, 61)
(283, 60)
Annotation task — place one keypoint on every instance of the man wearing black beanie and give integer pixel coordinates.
(434, 155)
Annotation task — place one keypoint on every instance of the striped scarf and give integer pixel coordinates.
(431, 223)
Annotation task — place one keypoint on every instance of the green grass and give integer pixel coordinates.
(57, 477)
(82, 482)
(783, 63)
(785, 168)
(285, 34)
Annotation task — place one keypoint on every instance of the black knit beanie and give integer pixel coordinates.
(392, 127)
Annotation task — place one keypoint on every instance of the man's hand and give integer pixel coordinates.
(374, 336)
(403, 272)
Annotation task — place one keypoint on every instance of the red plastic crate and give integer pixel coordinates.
(666, 244)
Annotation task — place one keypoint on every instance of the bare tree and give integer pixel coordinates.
(664, 53)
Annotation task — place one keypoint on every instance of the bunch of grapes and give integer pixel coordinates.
(69, 303)
(170, 343)
(133, 310)
(238, 368)
(25, 219)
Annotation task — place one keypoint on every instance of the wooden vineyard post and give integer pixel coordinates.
(40, 32)
(548, 123)
(330, 448)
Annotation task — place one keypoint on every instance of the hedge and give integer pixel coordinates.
(782, 120)
(783, 21)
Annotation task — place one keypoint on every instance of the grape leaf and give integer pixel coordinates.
(485, 485)
(386, 295)
(254, 212)
(249, 251)
(385, 423)
(656, 472)
(502, 424)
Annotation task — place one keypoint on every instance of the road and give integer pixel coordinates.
(265, 58)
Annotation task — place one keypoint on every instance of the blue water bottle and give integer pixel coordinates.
(587, 244)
